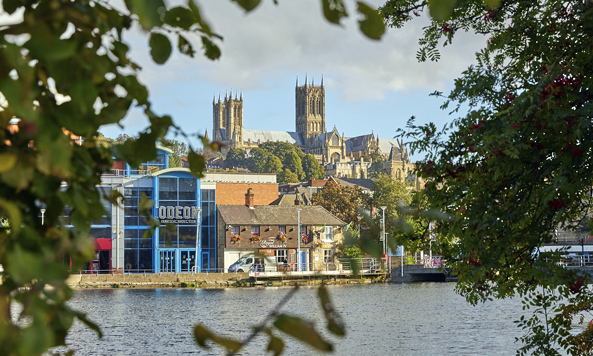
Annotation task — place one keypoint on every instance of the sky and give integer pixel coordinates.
(370, 86)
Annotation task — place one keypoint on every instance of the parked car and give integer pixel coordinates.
(253, 263)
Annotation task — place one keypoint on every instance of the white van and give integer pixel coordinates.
(253, 263)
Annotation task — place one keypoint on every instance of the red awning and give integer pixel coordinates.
(102, 244)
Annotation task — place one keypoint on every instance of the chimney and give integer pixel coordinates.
(249, 198)
(298, 199)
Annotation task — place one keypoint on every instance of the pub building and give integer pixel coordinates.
(272, 230)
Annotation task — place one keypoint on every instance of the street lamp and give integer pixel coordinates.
(384, 239)
(197, 213)
(298, 259)
(42, 216)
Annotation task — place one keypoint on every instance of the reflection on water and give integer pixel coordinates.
(389, 319)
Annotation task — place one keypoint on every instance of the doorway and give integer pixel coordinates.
(167, 261)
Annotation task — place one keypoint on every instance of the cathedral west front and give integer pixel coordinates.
(341, 156)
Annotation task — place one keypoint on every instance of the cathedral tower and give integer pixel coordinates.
(309, 109)
(227, 120)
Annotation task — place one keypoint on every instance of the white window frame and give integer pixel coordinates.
(328, 256)
(280, 255)
(328, 233)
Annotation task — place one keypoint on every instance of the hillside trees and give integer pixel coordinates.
(515, 164)
(235, 157)
(65, 68)
(312, 168)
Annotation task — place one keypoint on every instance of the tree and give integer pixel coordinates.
(516, 164)
(273, 165)
(65, 70)
(341, 201)
(235, 157)
(286, 176)
(293, 162)
(281, 149)
(312, 168)
(377, 166)
(179, 149)
(394, 195)
(258, 160)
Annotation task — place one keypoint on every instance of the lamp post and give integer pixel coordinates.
(298, 259)
(198, 213)
(42, 216)
(384, 239)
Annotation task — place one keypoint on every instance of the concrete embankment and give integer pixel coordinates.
(194, 280)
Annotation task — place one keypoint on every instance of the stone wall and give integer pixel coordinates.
(156, 280)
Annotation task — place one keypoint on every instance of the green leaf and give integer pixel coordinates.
(492, 4)
(10, 6)
(149, 12)
(180, 17)
(11, 210)
(335, 324)
(211, 50)
(372, 25)
(160, 47)
(204, 26)
(276, 345)
(302, 330)
(185, 47)
(334, 10)
(248, 5)
(7, 161)
(202, 335)
(49, 48)
(197, 163)
(441, 10)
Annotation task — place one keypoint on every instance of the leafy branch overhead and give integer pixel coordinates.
(66, 72)
(513, 166)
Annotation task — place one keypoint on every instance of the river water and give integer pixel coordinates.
(382, 319)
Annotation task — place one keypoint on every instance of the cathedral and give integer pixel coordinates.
(341, 156)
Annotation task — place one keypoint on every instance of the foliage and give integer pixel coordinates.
(341, 201)
(273, 164)
(378, 165)
(179, 149)
(65, 69)
(235, 157)
(281, 149)
(258, 160)
(293, 162)
(286, 176)
(516, 165)
(312, 168)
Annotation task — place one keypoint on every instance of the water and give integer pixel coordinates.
(387, 319)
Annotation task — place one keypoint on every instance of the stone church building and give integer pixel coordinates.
(341, 156)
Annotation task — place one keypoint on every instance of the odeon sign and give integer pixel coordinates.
(177, 214)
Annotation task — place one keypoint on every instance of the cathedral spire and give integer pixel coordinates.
(322, 80)
(241, 95)
(297, 82)
(305, 80)
(206, 135)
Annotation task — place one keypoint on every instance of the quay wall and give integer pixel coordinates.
(197, 280)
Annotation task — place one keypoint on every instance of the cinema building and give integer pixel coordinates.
(185, 206)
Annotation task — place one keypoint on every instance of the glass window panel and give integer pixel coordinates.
(187, 236)
(145, 261)
(167, 188)
(131, 260)
(131, 243)
(167, 238)
(130, 234)
(145, 243)
(187, 188)
(131, 220)
(282, 229)
(205, 194)
(213, 236)
(204, 237)
(146, 191)
(101, 233)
